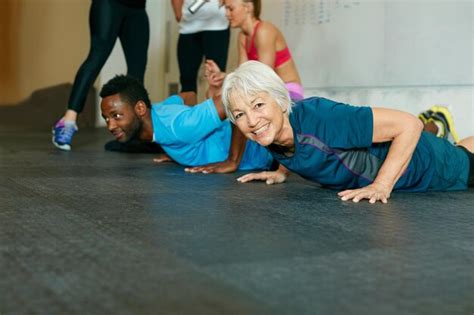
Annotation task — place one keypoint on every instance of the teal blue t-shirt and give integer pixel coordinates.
(333, 146)
(195, 135)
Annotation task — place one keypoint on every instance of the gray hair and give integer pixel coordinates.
(251, 78)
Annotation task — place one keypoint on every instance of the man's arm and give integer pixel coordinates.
(403, 130)
(238, 140)
(219, 107)
(231, 164)
(237, 143)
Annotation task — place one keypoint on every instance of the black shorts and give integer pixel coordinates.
(470, 156)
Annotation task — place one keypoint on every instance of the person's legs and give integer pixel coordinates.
(190, 56)
(135, 37)
(439, 121)
(431, 127)
(104, 24)
(467, 143)
(216, 46)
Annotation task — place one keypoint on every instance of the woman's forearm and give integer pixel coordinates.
(399, 155)
(177, 8)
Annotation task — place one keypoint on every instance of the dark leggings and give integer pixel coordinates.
(193, 47)
(108, 20)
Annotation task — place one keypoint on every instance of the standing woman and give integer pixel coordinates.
(108, 20)
(262, 41)
(204, 32)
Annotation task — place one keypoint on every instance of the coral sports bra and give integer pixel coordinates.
(281, 57)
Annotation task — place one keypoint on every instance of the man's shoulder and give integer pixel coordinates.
(171, 100)
(171, 104)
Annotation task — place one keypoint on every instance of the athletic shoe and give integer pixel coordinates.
(63, 132)
(425, 116)
(444, 120)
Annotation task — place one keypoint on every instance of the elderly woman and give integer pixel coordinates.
(366, 152)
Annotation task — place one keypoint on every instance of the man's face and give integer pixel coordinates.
(121, 119)
(258, 117)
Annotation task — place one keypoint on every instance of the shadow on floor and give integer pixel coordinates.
(44, 107)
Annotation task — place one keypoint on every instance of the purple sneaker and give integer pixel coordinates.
(63, 132)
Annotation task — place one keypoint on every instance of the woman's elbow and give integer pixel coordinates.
(420, 125)
(416, 125)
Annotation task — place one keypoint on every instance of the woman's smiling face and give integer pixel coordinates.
(258, 117)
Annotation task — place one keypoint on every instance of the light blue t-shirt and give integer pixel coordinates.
(333, 146)
(195, 135)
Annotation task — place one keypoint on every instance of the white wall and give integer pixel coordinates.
(162, 67)
(459, 100)
(407, 55)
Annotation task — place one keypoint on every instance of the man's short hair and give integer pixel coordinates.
(130, 90)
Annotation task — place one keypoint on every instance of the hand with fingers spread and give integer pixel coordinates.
(373, 192)
(269, 177)
(162, 158)
(219, 167)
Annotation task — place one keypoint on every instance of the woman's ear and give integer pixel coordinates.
(140, 108)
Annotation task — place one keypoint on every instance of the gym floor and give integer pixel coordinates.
(96, 232)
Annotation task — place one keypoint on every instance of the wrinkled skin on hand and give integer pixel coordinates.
(373, 192)
(269, 178)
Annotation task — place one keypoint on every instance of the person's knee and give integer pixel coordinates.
(467, 143)
(188, 84)
(188, 75)
(221, 61)
(100, 49)
(136, 71)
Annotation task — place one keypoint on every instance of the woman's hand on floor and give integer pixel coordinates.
(219, 167)
(373, 192)
(268, 177)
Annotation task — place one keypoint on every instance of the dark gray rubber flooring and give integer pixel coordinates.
(95, 232)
